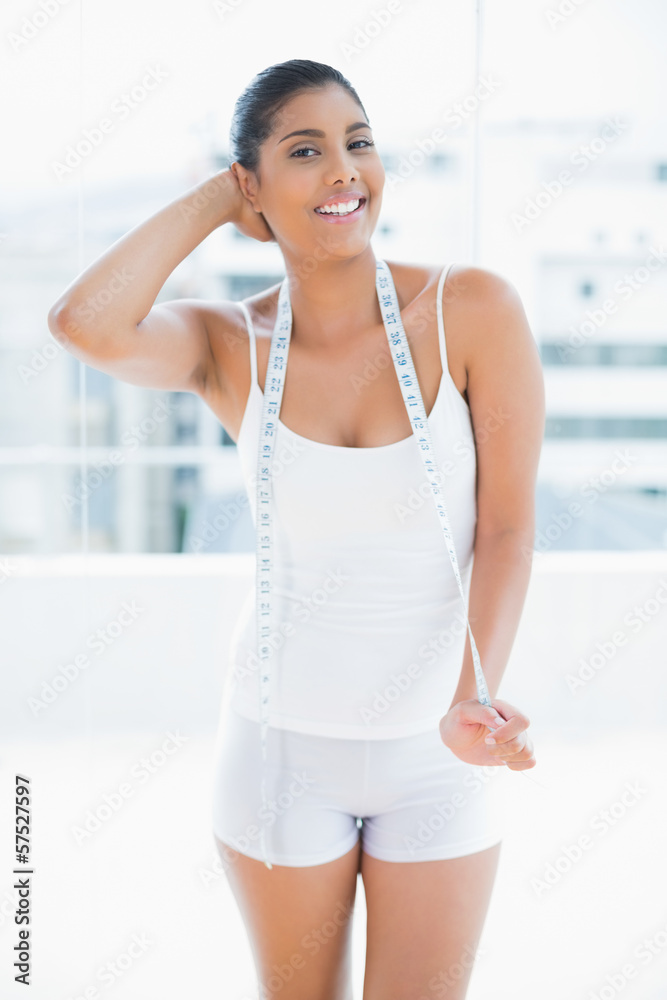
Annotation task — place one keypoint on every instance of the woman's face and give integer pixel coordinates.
(301, 172)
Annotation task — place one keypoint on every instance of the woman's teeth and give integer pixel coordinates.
(344, 208)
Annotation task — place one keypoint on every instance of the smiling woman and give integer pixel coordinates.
(282, 175)
(372, 701)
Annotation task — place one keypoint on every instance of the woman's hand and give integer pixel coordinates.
(243, 215)
(465, 728)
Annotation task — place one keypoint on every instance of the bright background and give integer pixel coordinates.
(562, 72)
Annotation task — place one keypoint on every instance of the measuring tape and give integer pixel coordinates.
(412, 397)
(273, 394)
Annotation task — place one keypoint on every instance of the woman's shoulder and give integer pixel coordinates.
(480, 287)
(465, 283)
(466, 286)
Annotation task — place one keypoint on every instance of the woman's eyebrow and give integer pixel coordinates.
(317, 133)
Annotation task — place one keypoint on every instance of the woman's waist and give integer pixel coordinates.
(348, 676)
(385, 585)
(310, 625)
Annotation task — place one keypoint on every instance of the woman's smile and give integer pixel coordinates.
(330, 217)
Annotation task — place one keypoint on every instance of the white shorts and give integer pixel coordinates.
(408, 798)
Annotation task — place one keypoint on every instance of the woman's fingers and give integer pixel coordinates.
(522, 760)
(518, 747)
(521, 765)
(512, 714)
(510, 742)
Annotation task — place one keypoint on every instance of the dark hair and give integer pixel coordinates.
(257, 110)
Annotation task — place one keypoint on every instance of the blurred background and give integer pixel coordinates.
(527, 137)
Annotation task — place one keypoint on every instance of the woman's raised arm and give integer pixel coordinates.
(107, 317)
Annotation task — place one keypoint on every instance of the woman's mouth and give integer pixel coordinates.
(343, 212)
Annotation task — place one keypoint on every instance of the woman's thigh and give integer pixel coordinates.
(298, 914)
(424, 922)
(299, 923)
(430, 853)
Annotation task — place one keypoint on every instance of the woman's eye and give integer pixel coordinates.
(305, 149)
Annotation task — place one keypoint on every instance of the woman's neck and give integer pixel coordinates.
(333, 302)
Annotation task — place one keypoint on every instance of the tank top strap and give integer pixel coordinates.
(253, 344)
(441, 322)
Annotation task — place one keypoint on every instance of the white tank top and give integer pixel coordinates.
(370, 628)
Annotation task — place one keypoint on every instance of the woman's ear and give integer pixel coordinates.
(247, 182)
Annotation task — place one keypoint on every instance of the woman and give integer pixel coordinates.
(374, 713)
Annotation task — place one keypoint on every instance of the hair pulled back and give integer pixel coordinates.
(257, 111)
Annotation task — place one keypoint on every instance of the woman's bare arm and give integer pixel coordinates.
(107, 317)
(507, 403)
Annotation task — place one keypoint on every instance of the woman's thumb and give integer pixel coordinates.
(486, 715)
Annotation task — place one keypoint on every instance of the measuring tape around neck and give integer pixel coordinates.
(273, 394)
